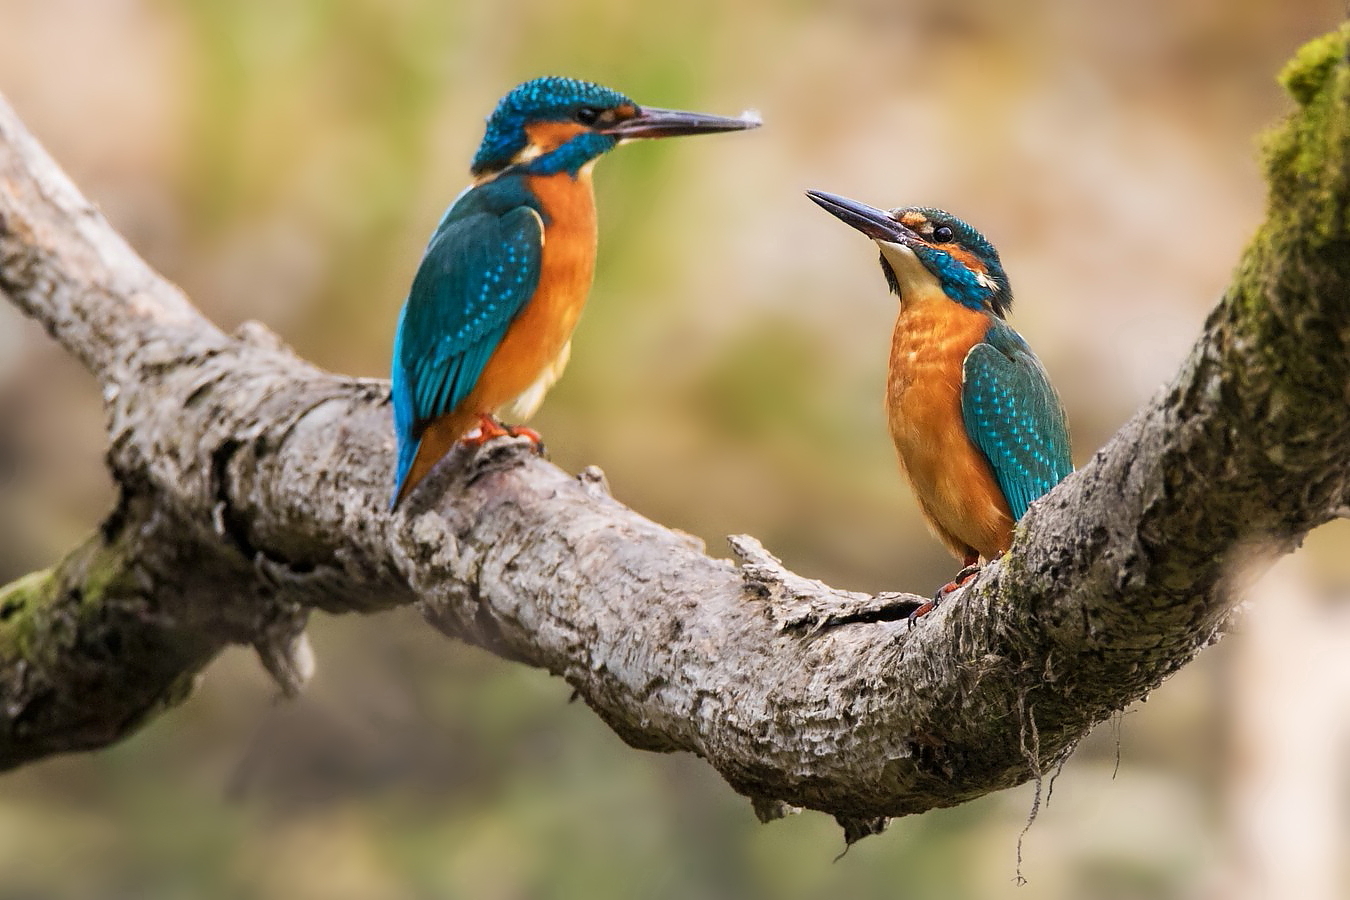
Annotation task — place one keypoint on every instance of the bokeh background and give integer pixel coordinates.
(286, 161)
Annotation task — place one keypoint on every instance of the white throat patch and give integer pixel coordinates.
(912, 275)
(528, 153)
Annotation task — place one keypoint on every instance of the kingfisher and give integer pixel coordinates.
(488, 321)
(978, 428)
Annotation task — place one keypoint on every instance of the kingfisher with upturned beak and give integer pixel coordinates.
(976, 423)
(488, 321)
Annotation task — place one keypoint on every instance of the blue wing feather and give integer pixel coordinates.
(1013, 415)
(479, 270)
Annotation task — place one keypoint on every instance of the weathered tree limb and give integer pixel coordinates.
(253, 488)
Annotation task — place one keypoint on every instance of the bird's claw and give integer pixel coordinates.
(962, 578)
(535, 438)
(923, 609)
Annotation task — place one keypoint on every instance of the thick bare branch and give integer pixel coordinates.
(253, 489)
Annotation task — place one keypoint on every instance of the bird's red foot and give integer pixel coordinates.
(963, 577)
(529, 434)
(489, 429)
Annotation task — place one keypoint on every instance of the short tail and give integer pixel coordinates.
(407, 452)
(417, 456)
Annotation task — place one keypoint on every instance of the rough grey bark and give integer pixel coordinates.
(253, 488)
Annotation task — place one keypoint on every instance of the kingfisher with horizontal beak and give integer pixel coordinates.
(979, 430)
(488, 322)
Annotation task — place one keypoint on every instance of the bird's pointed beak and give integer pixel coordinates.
(875, 223)
(651, 122)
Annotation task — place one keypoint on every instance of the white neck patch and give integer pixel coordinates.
(912, 275)
(529, 152)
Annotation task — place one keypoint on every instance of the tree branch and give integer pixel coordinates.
(252, 489)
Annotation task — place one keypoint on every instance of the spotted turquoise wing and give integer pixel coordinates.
(479, 270)
(1014, 417)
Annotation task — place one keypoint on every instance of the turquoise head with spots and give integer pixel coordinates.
(555, 125)
(960, 259)
(561, 101)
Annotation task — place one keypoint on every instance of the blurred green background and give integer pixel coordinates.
(286, 161)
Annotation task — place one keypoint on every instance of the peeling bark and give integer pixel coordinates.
(253, 486)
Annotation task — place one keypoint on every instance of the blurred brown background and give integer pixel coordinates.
(286, 161)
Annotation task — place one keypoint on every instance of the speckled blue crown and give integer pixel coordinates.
(549, 98)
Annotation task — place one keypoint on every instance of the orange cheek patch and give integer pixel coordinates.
(966, 258)
(549, 136)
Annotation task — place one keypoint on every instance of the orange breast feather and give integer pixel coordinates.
(543, 327)
(541, 330)
(951, 478)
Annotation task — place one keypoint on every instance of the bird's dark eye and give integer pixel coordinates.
(587, 115)
(943, 234)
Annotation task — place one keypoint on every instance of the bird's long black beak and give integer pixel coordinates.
(651, 122)
(875, 223)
